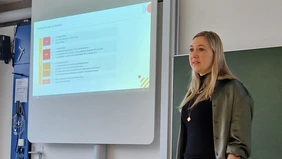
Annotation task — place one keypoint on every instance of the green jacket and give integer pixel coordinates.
(232, 107)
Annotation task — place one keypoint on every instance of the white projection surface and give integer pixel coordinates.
(93, 77)
(111, 52)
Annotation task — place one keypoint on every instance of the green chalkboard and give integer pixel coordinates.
(261, 72)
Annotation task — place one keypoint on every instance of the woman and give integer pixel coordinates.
(217, 111)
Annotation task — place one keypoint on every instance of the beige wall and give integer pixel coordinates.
(241, 24)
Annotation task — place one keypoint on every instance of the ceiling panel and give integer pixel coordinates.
(11, 5)
(13, 11)
(8, 1)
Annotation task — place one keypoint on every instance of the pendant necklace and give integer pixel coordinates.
(189, 119)
(189, 115)
(190, 109)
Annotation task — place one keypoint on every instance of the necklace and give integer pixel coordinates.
(190, 109)
(189, 118)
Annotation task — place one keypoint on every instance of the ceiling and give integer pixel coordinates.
(9, 8)
(8, 1)
(11, 5)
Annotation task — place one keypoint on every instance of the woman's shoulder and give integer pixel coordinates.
(233, 83)
(235, 86)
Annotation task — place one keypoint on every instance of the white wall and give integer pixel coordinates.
(6, 95)
(241, 24)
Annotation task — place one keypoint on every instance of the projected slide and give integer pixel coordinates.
(98, 51)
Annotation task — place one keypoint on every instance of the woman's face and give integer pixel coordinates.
(201, 55)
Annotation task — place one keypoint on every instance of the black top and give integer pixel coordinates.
(199, 130)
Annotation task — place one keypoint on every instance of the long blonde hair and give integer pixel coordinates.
(219, 71)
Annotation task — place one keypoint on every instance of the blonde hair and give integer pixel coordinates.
(219, 71)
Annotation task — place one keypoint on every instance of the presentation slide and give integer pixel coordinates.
(98, 51)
